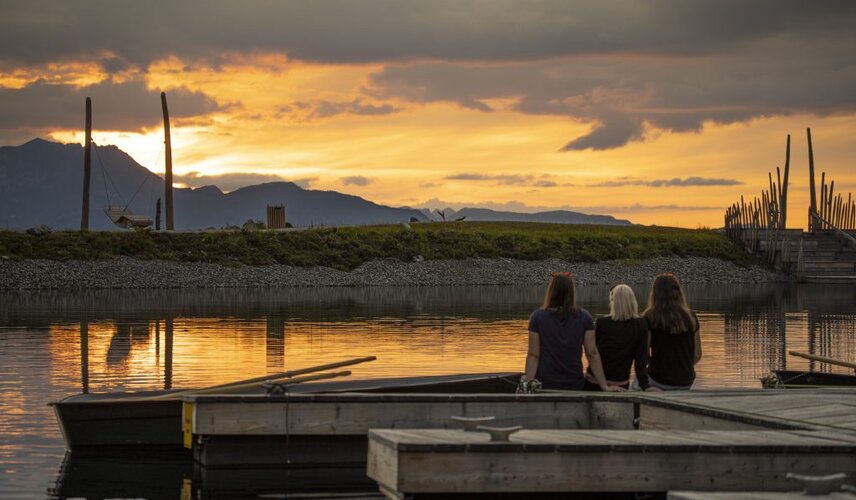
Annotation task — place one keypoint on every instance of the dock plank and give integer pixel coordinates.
(604, 460)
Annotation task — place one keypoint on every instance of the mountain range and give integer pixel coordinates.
(41, 184)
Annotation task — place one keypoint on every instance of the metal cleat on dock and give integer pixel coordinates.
(819, 485)
(499, 434)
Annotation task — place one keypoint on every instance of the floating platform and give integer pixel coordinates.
(332, 429)
(153, 418)
(440, 461)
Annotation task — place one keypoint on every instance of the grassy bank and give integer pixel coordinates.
(347, 248)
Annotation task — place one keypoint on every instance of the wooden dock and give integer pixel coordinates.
(259, 431)
(725, 440)
(540, 461)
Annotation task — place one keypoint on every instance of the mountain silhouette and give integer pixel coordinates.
(41, 182)
(553, 216)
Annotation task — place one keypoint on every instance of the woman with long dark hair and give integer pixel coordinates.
(675, 337)
(558, 332)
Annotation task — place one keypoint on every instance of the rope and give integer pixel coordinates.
(105, 172)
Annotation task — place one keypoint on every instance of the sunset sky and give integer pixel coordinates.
(662, 112)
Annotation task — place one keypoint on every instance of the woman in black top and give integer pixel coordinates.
(558, 332)
(622, 340)
(675, 337)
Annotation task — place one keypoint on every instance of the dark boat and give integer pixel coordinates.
(135, 419)
(802, 379)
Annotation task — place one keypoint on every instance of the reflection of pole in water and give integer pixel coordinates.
(157, 345)
(167, 372)
(84, 355)
(274, 343)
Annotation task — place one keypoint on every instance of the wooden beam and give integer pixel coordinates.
(170, 225)
(784, 184)
(811, 188)
(87, 167)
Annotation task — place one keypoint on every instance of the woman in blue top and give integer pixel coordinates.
(558, 331)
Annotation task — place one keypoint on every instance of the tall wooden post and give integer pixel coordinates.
(168, 174)
(87, 167)
(157, 215)
(811, 188)
(783, 185)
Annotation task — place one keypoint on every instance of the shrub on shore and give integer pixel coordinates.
(348, 247)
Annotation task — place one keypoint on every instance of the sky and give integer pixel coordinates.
(660, 111)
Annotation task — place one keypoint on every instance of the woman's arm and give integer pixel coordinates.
(532, 356)
(641, 360)
(595, 364)
(697, 350)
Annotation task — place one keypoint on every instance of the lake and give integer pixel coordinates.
(54, 344)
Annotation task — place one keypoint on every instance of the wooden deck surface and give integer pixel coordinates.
(831, 409)
(541, 461)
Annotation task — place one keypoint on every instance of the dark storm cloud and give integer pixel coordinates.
(125, 106)
(624, 67)
(622, 96)
(674, 182)
(37, 31)
(507, 179)
(356, 180)
(326, 109)
(233, 181)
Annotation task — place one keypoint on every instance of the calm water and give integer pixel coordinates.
(53, 344)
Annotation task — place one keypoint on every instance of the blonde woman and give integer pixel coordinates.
(622, 340)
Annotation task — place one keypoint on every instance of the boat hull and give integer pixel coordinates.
(792, 378)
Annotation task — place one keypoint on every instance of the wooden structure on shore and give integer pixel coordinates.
(826, 253)
(120, 215)
(276, 216)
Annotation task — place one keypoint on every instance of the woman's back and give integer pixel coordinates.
(561, 340)
(620, 343)
(672, 356)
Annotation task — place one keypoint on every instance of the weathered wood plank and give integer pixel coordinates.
(756, 460)
(655, 417)
(753, 495)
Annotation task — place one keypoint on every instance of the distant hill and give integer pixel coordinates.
(554, 216)
(41, 182)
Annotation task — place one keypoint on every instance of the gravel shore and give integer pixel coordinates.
(124, 272)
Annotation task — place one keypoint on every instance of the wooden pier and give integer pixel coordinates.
(435, 461)
(327, 429)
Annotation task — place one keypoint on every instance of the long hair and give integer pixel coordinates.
(622, 303)
(561, 296)
(667, 307)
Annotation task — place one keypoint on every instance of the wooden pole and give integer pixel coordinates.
(158, 215)
(168, 173)
(87, 167)
(784, 184)
(823, 359)
(811, 187)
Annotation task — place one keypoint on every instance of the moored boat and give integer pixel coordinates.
(803, 379)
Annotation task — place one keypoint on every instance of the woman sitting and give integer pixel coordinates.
(675, 337)
(558, 331)
(622, 340)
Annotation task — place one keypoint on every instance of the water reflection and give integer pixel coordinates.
(53, 344)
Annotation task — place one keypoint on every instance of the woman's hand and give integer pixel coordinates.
(614, 388)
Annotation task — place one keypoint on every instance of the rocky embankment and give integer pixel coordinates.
(123, 272)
